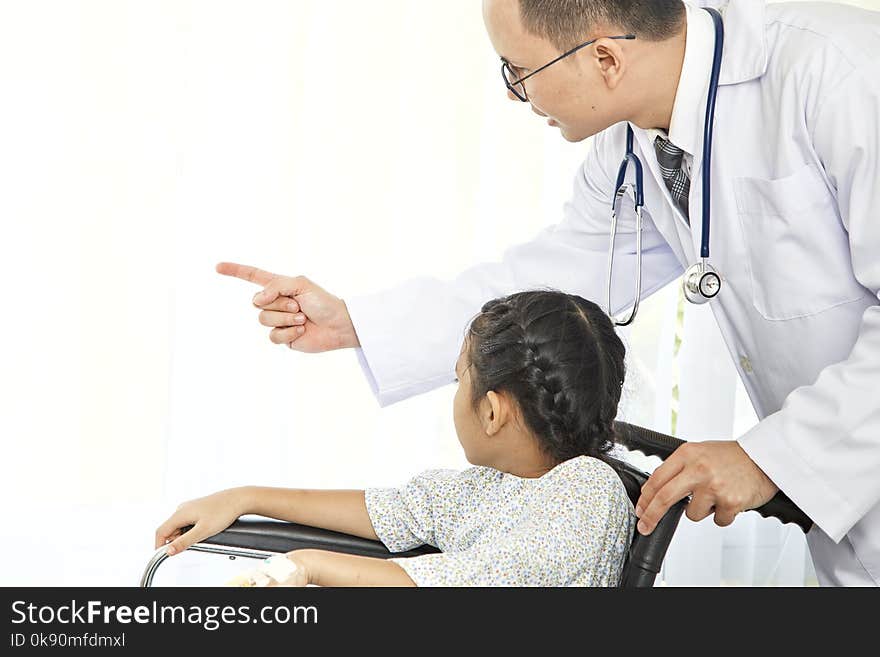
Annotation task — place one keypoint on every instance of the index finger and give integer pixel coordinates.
(662, 475)
(678, 488)
(166, 537)
(167, 531)
(171, 527)
(246, 273)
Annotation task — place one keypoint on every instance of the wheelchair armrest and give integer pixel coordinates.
(652, 443)
(255, 538)
(279, 536)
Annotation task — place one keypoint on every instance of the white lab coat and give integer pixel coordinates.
(795, 236)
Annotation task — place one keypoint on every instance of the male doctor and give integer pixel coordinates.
(795, 236)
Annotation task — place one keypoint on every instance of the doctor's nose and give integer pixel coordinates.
(512, 96)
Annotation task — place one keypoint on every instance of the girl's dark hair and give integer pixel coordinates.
(561, 360)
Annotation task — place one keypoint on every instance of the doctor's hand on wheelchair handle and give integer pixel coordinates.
(302, 314)
(208, 515)
(718, 474)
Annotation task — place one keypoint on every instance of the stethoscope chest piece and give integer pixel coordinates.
(701, 283)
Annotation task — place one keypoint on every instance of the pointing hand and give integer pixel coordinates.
(303, 315)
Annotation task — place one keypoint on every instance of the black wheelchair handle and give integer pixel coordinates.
(653, 443)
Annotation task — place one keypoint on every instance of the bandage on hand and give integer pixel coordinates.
(277, 569)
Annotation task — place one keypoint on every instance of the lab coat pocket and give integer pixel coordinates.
(798, 251)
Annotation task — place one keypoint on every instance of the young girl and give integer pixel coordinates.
(539, 380)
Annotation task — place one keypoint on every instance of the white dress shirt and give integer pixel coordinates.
(687, 123)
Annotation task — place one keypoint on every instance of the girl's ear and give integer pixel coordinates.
(495, 413)
(490, 408)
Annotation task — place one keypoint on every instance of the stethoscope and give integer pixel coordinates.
(701, 282)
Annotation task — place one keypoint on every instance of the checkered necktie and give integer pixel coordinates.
(671, 159)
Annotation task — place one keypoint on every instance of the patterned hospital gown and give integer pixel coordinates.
(570, 527)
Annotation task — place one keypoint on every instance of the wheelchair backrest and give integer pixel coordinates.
(645, 556)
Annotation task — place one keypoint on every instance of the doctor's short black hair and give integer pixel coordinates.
(565, 22)
(559, 357)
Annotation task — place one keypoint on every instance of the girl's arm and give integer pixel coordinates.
(324, 568)
(337, 510)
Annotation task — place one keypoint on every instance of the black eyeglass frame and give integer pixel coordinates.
(524, 97)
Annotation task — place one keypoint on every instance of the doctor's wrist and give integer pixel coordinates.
(350, 338)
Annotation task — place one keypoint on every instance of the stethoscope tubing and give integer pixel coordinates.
(709, 129)
(637, 189)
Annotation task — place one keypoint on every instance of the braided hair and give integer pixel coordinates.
(561, 360)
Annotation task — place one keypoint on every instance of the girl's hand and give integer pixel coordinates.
(209, 516)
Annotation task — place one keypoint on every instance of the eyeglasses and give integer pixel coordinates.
(517, 87)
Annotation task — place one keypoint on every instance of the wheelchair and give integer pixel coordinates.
(258, 539)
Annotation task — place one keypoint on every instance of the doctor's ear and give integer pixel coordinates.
(611, 61)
